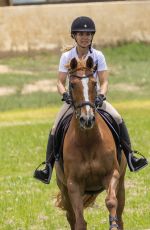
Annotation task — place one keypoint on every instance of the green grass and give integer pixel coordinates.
(19, 79)
(27, 204)
(34, 100)
(25, 121)
(129, 66)
(33, 62)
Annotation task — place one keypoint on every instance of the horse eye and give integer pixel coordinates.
(72, 85)
(94, 83)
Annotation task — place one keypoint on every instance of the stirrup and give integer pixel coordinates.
(43, 163)
(47, 180)
(137, 152)
(135, 168)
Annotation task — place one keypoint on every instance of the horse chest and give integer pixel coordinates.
(93, 172)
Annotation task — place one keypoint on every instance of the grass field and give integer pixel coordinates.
(128, 67)
(25, 121)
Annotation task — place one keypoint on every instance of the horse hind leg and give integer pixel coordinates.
(121, 202)
(64, 203)
(68, 207)
(111, 200)
(71, 218)
(69, 210)
(77, 205)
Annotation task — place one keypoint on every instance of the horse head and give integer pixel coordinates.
(82, 87)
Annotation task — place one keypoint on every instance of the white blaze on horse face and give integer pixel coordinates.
(85, 82)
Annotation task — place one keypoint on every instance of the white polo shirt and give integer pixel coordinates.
(97, 56)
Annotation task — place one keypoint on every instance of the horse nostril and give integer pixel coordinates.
(87, 122)
(82, 119)
(90, 121)
(93, 119)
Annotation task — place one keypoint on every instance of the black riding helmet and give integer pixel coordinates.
(82, 24)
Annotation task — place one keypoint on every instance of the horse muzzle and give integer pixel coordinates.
(87, 122)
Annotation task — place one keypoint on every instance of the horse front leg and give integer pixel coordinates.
(77, 204)
(111, 200)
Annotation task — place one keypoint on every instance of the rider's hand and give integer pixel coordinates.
(66, 98)
(99, 100)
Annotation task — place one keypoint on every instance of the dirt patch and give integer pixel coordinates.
(4, 91)
(4, 69)
(7, 69)
(42, 85)
(50, 86)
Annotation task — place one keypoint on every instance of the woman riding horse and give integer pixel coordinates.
(82, 31)
(90, 163)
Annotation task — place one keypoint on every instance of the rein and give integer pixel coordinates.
(79, 106)
(79, 77)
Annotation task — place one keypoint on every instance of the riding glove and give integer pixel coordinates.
(66, 98)
(99, 100)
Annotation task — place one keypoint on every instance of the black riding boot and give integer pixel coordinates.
(134, 163)
(45, 174)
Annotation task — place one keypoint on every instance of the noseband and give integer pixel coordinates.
(84, 103)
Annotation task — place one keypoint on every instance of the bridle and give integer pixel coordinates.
(72, 71)
(83, 103)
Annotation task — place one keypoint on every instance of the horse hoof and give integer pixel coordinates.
(114, 227)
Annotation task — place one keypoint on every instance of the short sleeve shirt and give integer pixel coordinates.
(97, 56)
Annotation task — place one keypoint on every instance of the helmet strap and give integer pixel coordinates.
(90, 46)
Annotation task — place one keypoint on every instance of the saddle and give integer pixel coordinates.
(59, 136)
(63, 126)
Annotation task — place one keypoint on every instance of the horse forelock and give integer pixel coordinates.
(81, 63)
(81, 69)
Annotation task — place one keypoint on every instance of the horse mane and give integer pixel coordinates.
(81, 63)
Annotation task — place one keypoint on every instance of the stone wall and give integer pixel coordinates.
(11, 2)
(26, 28)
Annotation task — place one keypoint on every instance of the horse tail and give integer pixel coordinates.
(59, 202)
(89, 200)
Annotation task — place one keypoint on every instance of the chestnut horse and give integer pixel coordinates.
(89, 154)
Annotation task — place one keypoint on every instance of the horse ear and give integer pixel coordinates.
(89, 62)
(73, 63)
